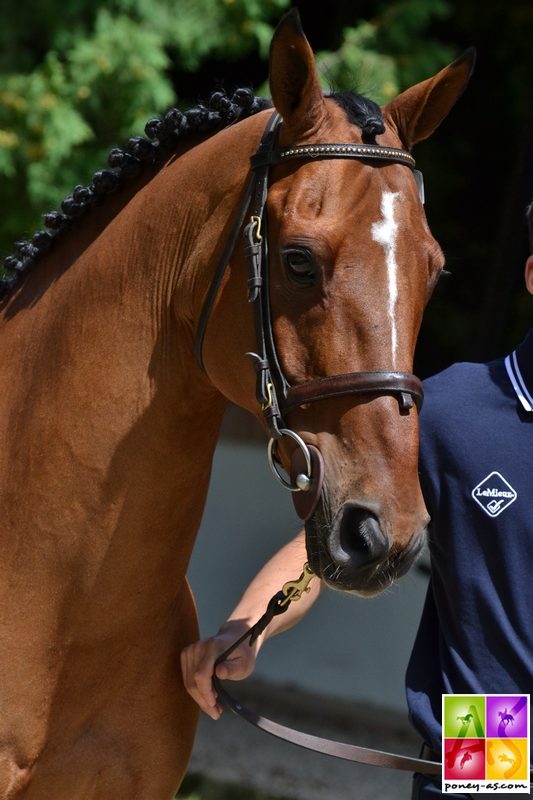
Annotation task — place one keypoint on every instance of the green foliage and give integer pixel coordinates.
(358, 65)
(67, 112)
(198, 29)
(382, 56)
(59, 119)
(401, 33)
(86, 75)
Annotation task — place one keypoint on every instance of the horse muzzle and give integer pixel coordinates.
(354, 554)
(351, 551)
(356, 540)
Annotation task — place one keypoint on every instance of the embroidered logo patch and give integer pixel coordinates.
(494, 494)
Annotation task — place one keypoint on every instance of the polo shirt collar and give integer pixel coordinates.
(519, 365)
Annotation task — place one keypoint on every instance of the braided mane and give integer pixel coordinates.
(162, 138)
(126, 163)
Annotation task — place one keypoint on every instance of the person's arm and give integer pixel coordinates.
(198, 659)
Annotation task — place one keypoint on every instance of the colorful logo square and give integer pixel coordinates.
(485, 743)
(507, 716)
(464, 715)
(507, 759)
(464, 759)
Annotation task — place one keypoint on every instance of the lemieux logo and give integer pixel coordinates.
(494, 494)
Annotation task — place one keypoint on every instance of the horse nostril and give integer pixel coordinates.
(357, 539)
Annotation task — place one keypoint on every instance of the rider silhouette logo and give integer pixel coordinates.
(494, 494)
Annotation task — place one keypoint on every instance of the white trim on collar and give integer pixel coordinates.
(519, 384)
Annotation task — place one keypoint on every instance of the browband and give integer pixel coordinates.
(278, 155)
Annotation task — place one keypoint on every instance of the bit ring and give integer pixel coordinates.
(274, 461)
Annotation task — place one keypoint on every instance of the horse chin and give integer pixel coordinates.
(342, 580)
(366, 581)
(371, 589)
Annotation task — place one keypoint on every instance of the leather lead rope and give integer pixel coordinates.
(278, 604)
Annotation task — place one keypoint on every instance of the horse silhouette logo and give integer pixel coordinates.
(506, 718)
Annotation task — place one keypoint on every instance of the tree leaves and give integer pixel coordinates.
(87, 76)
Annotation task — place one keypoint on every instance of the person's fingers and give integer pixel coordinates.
(237, 666)
(197, 664)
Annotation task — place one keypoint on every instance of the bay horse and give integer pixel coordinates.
(109, 419)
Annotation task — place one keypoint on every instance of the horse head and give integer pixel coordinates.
(350, 266)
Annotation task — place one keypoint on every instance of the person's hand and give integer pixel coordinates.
(198, 665)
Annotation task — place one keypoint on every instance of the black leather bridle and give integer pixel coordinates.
(274, 393)
(277, 397)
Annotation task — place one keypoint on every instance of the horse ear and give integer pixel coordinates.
(416, 112)
(294, 82)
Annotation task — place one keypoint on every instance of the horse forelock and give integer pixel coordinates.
(360, 111)
(164, 136)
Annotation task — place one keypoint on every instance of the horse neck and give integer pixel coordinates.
(106, 338)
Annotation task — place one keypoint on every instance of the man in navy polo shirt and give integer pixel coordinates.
(476, 630)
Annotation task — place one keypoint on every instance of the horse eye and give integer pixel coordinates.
(300, 265)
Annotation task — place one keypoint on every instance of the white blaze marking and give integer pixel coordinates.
(384, 233)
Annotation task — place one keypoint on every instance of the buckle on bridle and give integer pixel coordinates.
(268, 402)
(255, 223)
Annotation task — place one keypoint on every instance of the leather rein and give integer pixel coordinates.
(278, 604)
(274, 393)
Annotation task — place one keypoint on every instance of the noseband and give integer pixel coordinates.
(274, 393)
